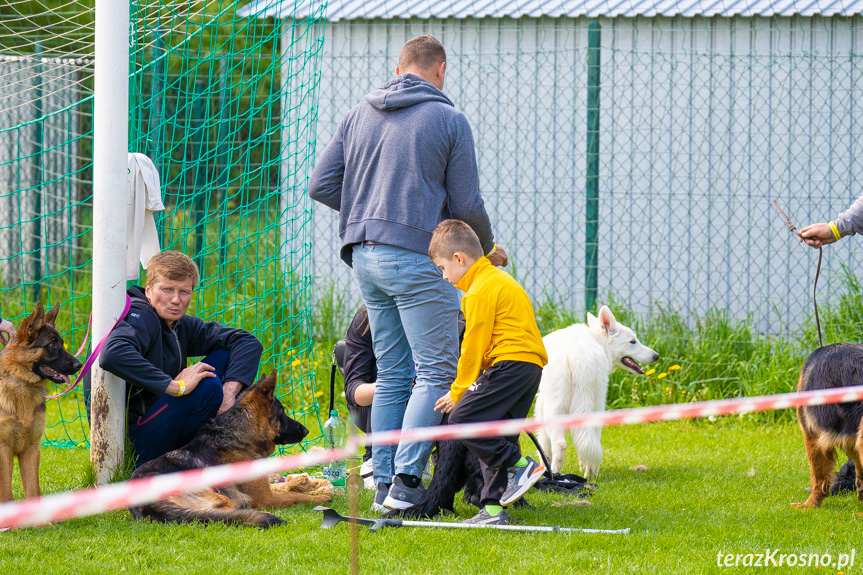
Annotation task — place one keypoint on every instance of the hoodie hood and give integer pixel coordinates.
(404, 91)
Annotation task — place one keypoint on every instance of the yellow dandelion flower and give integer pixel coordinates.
(674, 368)
(319, 394)
(667, 389)
(66, 346)
(683, 391)
(316, 364)
(650, 372)
(295, 363)
(661, 375)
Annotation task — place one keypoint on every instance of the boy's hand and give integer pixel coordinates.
(445, 404)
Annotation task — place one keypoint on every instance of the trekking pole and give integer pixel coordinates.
(332, 518)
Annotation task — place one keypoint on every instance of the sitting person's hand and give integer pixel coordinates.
(191, 376)
(7, 330)
(445, 404)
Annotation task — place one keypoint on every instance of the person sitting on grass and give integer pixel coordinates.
(499, 368)
(167, 400)
(360, 373)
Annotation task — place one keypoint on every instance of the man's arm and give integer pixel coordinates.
(325, 185)
(359, 363)
(244, 354)
(123, 355)
(244, 349)
(462, 185)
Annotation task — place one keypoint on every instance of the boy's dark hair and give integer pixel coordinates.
(451, 236)
(422, 53)
(175, 266)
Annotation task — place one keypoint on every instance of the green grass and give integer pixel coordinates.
(709, 488)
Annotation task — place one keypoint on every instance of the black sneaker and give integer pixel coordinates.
(401, 496)
(520, 479)
(483, 518)
(380, 495)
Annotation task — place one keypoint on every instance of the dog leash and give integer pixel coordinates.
(794, 231)
(95, 351)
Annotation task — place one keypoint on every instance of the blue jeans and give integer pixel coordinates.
(413, 315)
(172, 422)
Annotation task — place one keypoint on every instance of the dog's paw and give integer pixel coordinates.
(321, 498)
(804, 505)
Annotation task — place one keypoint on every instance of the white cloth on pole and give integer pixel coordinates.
(145, 197)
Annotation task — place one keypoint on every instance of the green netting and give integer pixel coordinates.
(224, 106)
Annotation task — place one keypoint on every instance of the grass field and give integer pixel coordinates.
(710, 488)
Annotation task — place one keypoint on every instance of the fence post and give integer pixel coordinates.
(110, 211)
(592, 185)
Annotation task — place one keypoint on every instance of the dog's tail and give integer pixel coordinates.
(450, 476)
(199, 507)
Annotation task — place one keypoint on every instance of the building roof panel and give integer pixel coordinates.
(359, 9)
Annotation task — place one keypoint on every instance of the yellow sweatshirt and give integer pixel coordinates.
(500, 324)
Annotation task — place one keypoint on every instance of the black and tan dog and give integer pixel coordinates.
(826, 427)
(251, 429)
(35, 355)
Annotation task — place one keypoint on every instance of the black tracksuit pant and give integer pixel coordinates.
(503, 391)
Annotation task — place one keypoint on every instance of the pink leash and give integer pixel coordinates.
(93, 354)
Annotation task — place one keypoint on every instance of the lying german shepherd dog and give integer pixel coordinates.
(826, 427)
(250, 429)
(33, 356)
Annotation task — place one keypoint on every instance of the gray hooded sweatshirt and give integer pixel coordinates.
(401, 162)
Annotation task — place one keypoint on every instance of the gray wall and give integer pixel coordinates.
(702, 122)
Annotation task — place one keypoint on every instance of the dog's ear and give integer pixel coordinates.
(267, 385)
(29, 328)
(606, 320)
(51, 316)
(592, 321)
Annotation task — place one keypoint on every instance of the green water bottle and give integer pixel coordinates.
(335, 472)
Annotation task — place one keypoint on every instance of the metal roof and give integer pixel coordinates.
(367, 9)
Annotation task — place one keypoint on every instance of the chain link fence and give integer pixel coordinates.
(701, 122)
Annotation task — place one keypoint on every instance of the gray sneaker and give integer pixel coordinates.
(520, 479)
(380, 495)
(401, 496)
(483, 518)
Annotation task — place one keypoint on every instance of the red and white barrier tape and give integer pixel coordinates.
(96, 500)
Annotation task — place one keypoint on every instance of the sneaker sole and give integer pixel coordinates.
(377, 507)
(391, 503)
(531, 481)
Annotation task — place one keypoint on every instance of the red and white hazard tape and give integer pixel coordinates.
(96, 500)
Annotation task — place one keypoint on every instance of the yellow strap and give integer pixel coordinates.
(182, 385)
(835, 231)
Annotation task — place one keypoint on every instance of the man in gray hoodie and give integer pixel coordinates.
(401, 162)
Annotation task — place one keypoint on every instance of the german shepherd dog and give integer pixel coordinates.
(34, 355)
(250, 429)
(826, 427)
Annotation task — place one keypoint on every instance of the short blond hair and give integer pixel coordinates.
(451, 236)
(422, 53)
(175, 266)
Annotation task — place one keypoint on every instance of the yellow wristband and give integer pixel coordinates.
(835, 231)
(493, 249)
(182, 385)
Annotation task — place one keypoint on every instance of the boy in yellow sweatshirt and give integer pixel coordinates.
(500, 366)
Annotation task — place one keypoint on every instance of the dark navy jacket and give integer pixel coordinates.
(147, 353)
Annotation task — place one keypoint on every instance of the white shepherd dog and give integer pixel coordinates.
(580, 359)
